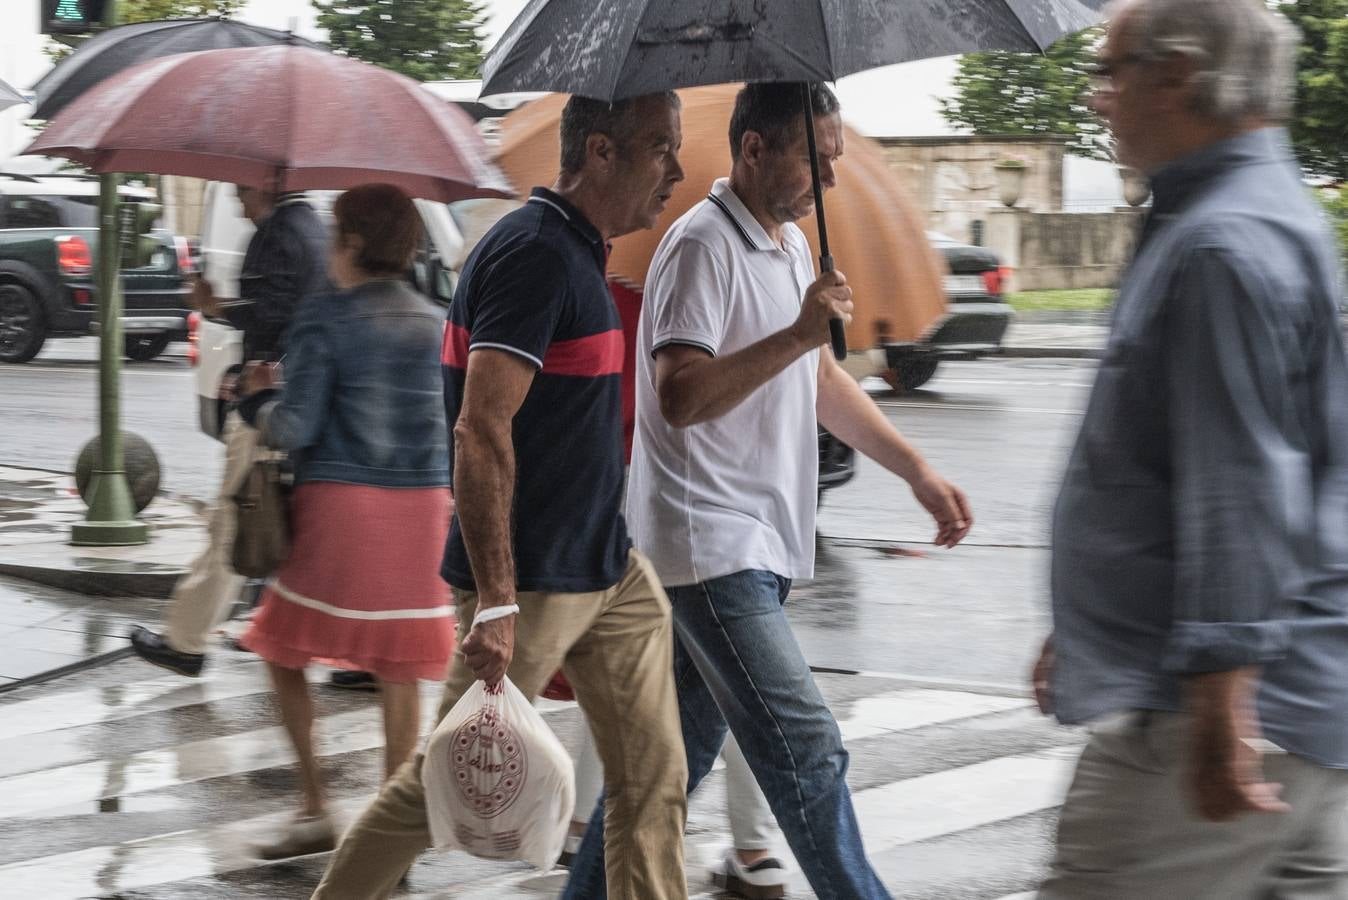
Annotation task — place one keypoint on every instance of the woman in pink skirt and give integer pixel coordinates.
(362, 416)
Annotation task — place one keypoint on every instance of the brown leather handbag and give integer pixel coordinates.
(262, 542)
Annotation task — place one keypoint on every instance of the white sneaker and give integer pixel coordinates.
(764, 880)
(302, 836)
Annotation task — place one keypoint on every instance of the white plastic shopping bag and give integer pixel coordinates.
(499, 784)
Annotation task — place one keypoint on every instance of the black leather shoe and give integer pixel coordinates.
(353, 681)
(152, 648)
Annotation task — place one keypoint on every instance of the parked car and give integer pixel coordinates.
(217, 346)
(976, 318)
(48, 253)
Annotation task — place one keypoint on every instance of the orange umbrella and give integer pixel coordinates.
(875, 230)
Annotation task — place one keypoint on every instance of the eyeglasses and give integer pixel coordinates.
(1103, 73)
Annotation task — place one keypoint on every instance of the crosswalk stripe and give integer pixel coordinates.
(917, 708)
(161, 859)
(64, 786)
(94, 706)
(953, 800)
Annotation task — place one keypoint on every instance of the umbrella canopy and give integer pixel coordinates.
(283, 118)
(117, 49)
(876, 226)
(611, 49)
(9, 96)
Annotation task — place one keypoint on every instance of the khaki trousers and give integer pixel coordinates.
(204, 596)
(1128, 831)
(616, 648)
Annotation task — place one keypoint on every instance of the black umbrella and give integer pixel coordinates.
(116, 49)
(612, 49)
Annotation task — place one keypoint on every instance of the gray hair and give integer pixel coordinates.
(582, 117)
(1244, 52)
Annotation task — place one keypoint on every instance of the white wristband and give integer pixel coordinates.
(492, 613)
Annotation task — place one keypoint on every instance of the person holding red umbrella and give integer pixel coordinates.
(286, 261)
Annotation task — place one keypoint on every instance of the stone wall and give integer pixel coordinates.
(1050, 251)
(952, 176)
(953, 179)
(1075, 250)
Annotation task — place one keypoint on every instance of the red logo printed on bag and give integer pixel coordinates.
(489, 763)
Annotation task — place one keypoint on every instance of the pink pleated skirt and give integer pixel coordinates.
(362, 588)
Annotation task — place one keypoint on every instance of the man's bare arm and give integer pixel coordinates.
(694, 386)
(852, 416)
(484, 492)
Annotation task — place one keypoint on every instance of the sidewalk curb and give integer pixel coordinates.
(1052, 352)
(70, 669)
(154, 585)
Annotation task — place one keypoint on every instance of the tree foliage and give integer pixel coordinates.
(1320, 126)
(152, 10)
(130, 11)
(1023, 93)
(425, 39)
(1013, 93)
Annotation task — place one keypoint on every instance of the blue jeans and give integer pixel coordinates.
(737, 661)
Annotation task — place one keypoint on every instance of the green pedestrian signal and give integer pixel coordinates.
(72, 16)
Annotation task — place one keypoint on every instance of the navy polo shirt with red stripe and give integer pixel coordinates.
(534, 286)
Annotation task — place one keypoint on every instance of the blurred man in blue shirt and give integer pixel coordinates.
(1200, 541)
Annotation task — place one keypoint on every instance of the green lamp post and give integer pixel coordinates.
(111, 519)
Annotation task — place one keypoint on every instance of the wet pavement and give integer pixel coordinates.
(37, 510)
(131, 783)
(44, 631)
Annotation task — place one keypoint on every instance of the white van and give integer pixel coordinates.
(225, 233)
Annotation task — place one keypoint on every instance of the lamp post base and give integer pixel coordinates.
(109, 534)
(112, 515)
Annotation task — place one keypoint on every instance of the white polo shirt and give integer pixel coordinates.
(738, 492)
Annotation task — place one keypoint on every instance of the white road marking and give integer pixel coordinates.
(945, 407)
(929, 806)
(91, 706)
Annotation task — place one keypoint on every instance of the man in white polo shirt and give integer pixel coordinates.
(722, 493)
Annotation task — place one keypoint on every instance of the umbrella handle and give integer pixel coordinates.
(837, 330)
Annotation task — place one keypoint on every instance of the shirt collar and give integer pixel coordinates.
(1174, 184)
(749, 228)
(574, 217)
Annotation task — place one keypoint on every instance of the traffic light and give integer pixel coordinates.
(72, 16)
(137, 220)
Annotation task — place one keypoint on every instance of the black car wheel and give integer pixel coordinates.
(142, 347)
(22, 331)
(911, 374)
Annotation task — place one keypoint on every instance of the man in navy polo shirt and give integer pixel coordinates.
(544, 574)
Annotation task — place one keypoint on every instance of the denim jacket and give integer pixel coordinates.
(361, 403)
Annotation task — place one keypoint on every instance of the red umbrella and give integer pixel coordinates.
(281, 118)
